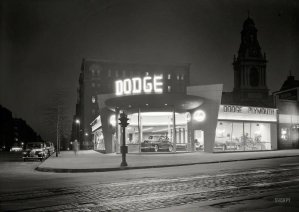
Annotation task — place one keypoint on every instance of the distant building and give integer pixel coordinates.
(250, 84)
(14, 131)
(6, 128)
(287, 102)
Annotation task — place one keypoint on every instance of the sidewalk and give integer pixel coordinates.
(92, 161)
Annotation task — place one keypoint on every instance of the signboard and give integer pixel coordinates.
(247, 113)
(137, 85)
(96, 124)
(254, 110)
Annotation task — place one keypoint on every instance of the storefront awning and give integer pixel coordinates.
(180, 102)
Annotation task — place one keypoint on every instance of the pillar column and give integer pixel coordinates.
(168, 128)
(117, 131)
(174, 131)
(140, 129)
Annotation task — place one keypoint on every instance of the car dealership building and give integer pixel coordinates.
(163, 105)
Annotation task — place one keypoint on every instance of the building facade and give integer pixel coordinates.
(287, 102)
(97, 77)
(247, 119)
(166, 113)
(250, 76)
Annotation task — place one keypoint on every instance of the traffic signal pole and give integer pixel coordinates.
(124, 149)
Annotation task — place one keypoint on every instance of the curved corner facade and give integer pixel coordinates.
(167, 114)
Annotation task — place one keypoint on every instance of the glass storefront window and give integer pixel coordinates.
(288, 136)
(99, 140)
(284, 134)
(155, 131)
(223, 135)
(242, 136)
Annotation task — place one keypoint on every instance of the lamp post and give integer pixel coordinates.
(124, 149)
(78, 129)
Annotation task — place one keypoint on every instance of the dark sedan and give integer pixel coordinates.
(156, 143)
(35, 150)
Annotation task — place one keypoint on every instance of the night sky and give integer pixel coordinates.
(43, 43)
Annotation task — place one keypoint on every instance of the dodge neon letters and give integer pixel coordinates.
(139, 85)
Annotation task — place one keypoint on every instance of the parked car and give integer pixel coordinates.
(50, 148)
(35, 150)
(156, 143)
(16, 149)
(219, 146)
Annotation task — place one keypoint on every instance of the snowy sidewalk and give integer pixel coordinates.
(92, 161)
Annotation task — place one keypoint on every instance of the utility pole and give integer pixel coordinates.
(57, 134)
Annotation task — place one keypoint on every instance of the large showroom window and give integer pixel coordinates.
(242, 136)
(155, 131)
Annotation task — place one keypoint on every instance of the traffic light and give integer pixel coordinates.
(123, 120)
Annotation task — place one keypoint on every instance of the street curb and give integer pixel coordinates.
(62, 170)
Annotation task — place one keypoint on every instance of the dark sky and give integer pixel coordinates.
(43, 43)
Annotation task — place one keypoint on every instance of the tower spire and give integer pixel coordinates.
(250, 68)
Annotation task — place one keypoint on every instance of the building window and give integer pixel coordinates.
(146, 73)
(242, 136)
(178, 76)
(116, 73)
(124, 73)
(182, 77)
(131, 73)
(92, 71)
(169, 76)
(93, 84)
(93, 99)
(168, 88)
(98, 72)
(99, 85)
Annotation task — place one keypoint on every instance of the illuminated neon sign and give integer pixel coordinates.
(254, 110)
(236, 112)
(199, 115)
(139, 85)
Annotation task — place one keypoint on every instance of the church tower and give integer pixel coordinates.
(250, 86)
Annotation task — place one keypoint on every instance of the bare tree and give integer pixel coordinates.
(56, 119)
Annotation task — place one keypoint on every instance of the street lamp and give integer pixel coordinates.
(78, 129)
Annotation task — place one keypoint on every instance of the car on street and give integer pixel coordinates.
(156, 143)
(50, 148)
(16, 149)
(35, 150)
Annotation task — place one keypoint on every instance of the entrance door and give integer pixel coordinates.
(198, 140)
